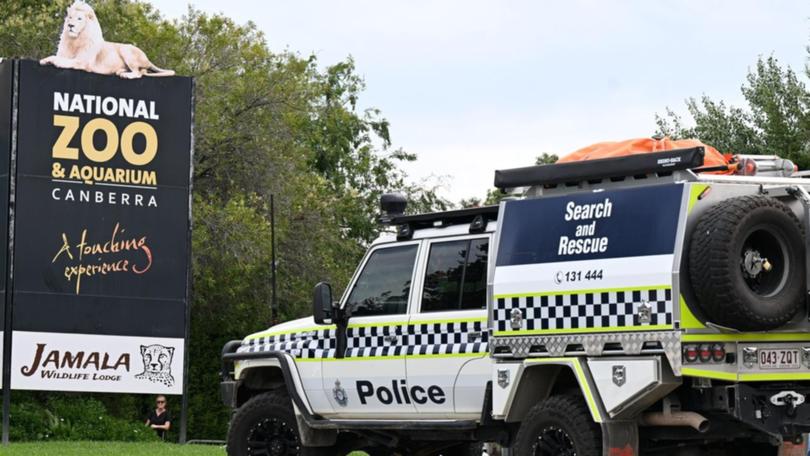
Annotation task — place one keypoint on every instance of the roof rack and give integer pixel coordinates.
(632, 165)
(477, 217)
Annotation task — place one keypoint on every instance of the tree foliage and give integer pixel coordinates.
(776, 120)
(266, 124)
(546, 159)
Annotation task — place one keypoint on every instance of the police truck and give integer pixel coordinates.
(622, 306)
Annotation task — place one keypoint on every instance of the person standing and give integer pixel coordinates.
(160, 419)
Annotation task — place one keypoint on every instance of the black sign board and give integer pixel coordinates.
(100, 229)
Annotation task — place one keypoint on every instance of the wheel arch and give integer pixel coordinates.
(542, 378)
(276, 371)
(259, 379)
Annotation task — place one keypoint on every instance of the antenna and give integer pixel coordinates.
(274, 299)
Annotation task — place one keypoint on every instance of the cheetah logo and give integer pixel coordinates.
(157, 364)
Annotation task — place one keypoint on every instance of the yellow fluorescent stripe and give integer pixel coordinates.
(419, 322)
(583, 381)
(289, 331)
(694, 191)
(769, 337)
(752, 377)
(392, 357)
(374, 325)
(769, 377)
(568, 292)
(688, 319)
(365, 325)
(523, 332)
(432, 322)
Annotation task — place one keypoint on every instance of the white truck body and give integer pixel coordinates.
(462, 324)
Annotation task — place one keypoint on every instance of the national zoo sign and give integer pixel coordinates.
(95, 169)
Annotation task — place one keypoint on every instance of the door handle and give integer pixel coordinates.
(473, 336)
(391, 339)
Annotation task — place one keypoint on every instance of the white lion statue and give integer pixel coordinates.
(82, 47)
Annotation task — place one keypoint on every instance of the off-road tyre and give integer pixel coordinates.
(268, 414)
(559, 425)
(726, 291)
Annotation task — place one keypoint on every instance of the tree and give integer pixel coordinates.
(266, 124)
(466, 203)
(776, 120)
(546, 159)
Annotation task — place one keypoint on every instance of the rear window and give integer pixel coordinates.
(456, 275)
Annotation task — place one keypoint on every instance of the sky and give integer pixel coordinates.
(472, 86)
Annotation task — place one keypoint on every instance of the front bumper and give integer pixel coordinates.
(228, 385)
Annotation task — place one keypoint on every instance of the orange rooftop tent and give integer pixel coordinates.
(612, 149)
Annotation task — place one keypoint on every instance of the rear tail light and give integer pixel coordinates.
(705, 353)
(690, 353)
(708, 353)
(718, 352)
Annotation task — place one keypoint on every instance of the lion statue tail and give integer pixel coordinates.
(156, 72)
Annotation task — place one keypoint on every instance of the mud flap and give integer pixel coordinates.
(793, 448)
(620, 438)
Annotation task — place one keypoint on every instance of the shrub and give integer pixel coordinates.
(73, 418)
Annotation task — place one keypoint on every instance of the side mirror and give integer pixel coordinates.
(322, 303)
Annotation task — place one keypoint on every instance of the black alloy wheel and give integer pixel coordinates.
(265, 425)
(272, 437)
(559, 426)
(554, 441)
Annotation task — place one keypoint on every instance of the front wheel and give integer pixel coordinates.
(265, 425)
(559, 426)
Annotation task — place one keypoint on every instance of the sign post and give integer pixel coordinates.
(99, 265)
(8, 129)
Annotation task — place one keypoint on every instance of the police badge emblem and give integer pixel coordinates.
(340, 394)
(619, 375)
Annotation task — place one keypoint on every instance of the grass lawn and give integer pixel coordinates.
(112, 449)
(109, 448)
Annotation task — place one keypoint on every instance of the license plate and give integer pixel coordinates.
(779, 359)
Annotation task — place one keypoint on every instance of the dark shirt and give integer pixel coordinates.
(161, 419)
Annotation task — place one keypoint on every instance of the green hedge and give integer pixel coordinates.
(63, 416)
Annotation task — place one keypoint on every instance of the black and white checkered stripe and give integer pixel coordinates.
(312, 344)
(466, 337)
(609, 309)
(417, 339)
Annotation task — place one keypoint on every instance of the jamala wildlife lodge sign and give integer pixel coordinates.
(99, 171)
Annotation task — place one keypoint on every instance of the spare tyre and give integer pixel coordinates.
(747, 264)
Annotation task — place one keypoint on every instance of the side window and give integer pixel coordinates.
(385, 282)
(456, 276)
